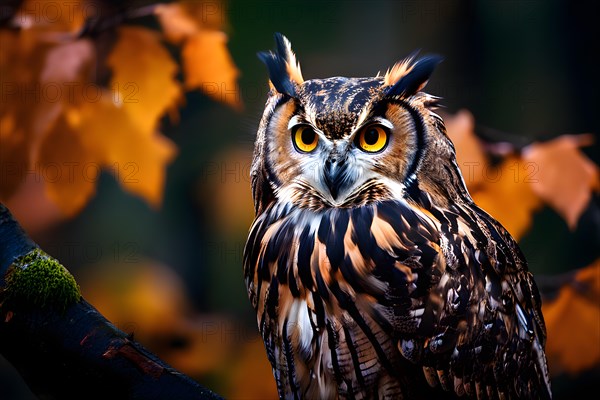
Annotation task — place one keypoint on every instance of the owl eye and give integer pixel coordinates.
(372, 138)
(305, 138)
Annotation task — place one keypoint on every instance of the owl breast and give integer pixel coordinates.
(330, 286)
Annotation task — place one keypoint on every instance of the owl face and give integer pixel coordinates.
(341, 142)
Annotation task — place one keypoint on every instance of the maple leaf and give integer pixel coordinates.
(209, 67)
(136, 157)
(180, 20)
(207, 64)
(565, 177)
(67, 167)
(573, 323)
(55, 112)
(177, 23)
(505, 193)
(143, 76)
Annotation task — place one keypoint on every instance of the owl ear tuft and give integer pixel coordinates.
(284, 70)
(407, 77)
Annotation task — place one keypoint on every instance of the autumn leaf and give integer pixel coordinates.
(505, 193)
(209, 67)
(67, 167)
(143, 76)
(184, 19)
(21, 61)
(565, 177)
(176, 21)
(67, 62)
(207, 64)
(55, 18)
(469, 152)
(57, 109)
(556, 173)
(573, 323)
(501, 190)
(136, 157)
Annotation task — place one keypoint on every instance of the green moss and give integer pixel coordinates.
(38, 280)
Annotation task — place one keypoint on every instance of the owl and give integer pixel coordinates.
(372, 272)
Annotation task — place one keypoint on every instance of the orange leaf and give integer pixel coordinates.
(573, 324)
(182, 20)
(506, 194)
(177, 24)
(137, 157)
(565, 176)
(469, 152)
(209, 67)
(14, 156)
(143, 77)
(67, 168)
(53, 17)
(65, 63)
(21, 60)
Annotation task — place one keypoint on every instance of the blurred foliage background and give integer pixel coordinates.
(167, 265)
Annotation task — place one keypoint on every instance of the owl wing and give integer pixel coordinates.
(474, 322)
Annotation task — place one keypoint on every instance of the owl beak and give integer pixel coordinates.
(334, 174)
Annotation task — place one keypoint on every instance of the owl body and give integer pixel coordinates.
(372, 272)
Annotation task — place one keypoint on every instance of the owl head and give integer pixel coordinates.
(345, 142)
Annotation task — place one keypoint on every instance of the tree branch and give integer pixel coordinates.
(61, 345)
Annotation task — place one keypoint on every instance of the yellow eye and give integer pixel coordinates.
(372, 138)
(305, 138)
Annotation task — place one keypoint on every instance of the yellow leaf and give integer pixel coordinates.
(505, 193)
(143, 77)
(208, 66)
(564, 177)
(67, 168)
(136, 157)
(573, 324)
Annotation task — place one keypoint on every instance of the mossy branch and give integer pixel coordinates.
(61, 345)
(37, 280)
